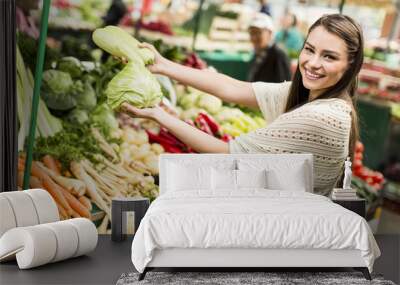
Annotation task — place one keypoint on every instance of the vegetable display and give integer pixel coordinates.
(373, 178)
(233, 121)
(86, 153)
(47, 125)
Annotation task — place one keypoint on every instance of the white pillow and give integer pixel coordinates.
(223, 179)
(183, 178)
(251, 178)
(288, 174)
(290, 180)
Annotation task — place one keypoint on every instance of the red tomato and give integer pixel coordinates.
(364, 174)
(357, 172)
(378, 177)
(369, 180)
(357, 164)
(358, 156)
(359, 147)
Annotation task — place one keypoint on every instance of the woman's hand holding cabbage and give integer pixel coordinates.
(134, 84)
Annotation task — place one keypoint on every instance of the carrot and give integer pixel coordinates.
(20, 179)
(21, 165)
(75, 214)
(62, 212)
(53, 188)
(56, 193)
(76, 206)
(75, 186)
(86, 202)
(35, 182)
(58, 163)
(51, 163)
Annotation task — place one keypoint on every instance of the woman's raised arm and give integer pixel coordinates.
(224, 87)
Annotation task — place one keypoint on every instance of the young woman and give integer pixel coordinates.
(312, 114)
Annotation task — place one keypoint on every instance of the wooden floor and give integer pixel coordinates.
(110, 260)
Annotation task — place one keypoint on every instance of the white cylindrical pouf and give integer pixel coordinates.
(36, 245)
(46, 207)
(67, 239)
(87, 234)
(23, 208)
(7, 217)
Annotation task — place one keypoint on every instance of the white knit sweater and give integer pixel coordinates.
(321, 127)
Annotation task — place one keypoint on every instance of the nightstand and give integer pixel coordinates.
(122, 210)
(355, 205)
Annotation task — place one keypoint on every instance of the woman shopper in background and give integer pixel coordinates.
(289, 37)
(312, 114)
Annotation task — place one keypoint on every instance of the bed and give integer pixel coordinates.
(247, 210)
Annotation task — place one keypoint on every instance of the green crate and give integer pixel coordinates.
(232, 64)
(374, 123)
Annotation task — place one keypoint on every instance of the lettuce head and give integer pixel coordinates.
(133, 84)
(120, 43)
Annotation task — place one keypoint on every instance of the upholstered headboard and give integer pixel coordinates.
(193, 160)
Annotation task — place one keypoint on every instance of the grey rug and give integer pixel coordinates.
(244, 278)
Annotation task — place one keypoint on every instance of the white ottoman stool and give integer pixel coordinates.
(31, 232)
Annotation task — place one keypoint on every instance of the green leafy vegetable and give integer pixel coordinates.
(57, 88)
(87, 98)
(73, 143)
(47, 125)
(104, 118)
(135, 85)
(78, 116)
(118, 42)
(70, 65)
(28, 47)
(76, 46)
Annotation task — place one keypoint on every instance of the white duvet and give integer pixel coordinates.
(254, 218)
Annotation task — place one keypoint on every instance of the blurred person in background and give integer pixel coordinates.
(270, 63)
(265, 7)
(115, 13)
(289, 37)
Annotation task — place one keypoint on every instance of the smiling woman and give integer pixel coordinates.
(313, 114)
(329, 63)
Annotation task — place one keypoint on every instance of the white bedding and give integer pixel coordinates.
(252, 218)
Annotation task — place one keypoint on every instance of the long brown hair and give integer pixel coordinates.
(348, 30)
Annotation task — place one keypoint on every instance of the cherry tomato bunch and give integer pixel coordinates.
(371, 177)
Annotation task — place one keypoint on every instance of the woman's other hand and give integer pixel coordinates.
(160, 63)
(146, 113)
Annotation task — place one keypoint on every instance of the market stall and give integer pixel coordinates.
(86, 152)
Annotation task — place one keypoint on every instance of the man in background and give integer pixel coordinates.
(270, 63)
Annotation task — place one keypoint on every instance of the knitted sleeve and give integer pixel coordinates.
(321, 127)
(271, 98)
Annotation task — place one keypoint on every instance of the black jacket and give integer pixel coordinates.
(275, 66)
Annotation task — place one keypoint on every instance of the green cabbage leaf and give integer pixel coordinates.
(133, 84)
(120, 43)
